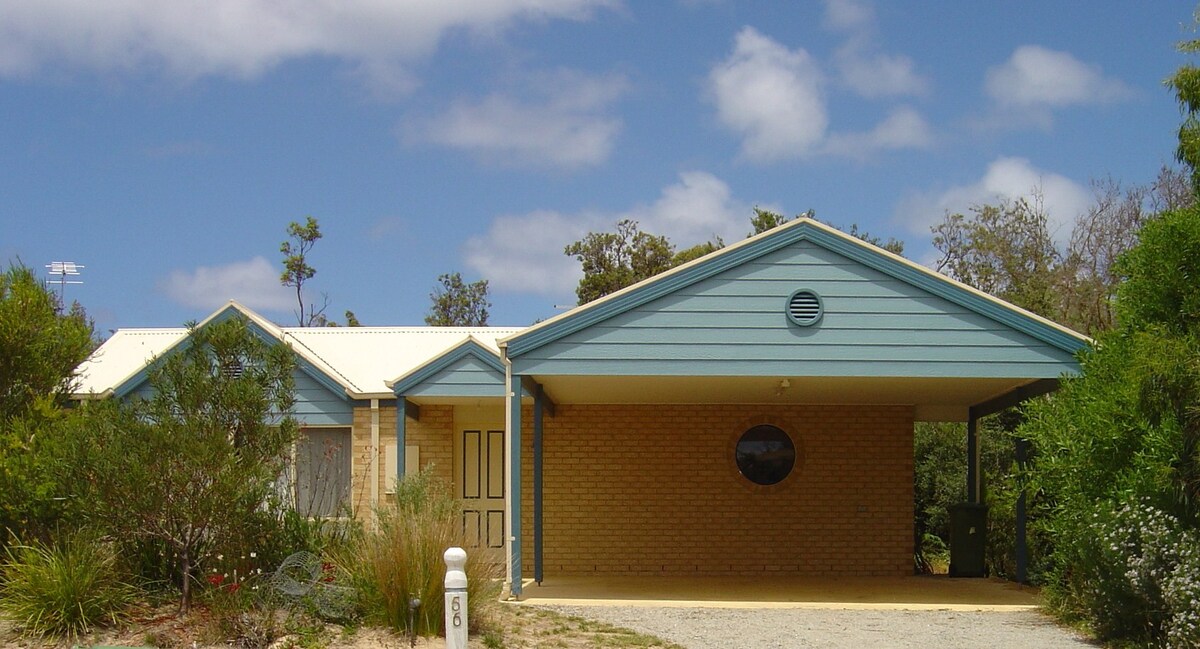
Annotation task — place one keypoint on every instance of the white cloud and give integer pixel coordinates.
(771, 96)
(848, 15)
(524, 253)
(874, 75)
(696, 209)
(1035, 76)
(1005, 179)
(566, 127)
(243, 38)
(254, 283)
(862, 67)
(903, 128)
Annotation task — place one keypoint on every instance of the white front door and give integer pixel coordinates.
(480, 480)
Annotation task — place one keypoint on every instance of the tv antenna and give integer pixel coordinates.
(60, 272)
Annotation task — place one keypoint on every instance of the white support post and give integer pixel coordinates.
(456, 598)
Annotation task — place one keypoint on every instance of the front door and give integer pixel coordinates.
(481, 483)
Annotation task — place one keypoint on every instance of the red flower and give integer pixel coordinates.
(216, 579)
(233, 587)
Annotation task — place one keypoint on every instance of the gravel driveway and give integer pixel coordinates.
(727, 628)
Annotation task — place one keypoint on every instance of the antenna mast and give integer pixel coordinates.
(59, 272)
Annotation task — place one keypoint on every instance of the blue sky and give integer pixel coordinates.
(167, 145)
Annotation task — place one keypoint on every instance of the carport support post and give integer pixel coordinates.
(973, 495)
(538, 400)
(1022, 549)
(513, 453)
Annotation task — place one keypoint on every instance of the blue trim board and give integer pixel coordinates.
(800, 230)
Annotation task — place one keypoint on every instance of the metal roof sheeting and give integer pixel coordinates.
(360, 359)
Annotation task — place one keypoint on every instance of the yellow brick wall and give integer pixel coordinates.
(433, 434)
(655, 490)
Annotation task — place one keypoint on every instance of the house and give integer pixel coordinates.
(347, 456)
(750, 412)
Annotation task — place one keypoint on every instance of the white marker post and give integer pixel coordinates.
(456, 598)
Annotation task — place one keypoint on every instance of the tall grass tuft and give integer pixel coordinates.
(64, 589)
(400, 558)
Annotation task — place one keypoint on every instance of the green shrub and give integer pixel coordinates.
(1134, 574)
(64, 589)
(939, 481)
(400, 558)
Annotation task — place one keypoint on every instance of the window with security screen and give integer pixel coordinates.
(323, 472)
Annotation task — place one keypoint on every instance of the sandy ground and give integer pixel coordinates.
(713, 628)
(843, 614)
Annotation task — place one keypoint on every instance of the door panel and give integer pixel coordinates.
(482, 486)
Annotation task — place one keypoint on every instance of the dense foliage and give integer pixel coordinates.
(192, 468)
(613, 260)
(1118, 453)
(41, 344)
(455, 303)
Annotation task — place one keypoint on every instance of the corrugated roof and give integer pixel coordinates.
(360, 359)
(124, 354)
(365, 358)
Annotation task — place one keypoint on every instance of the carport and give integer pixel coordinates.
(749, 415)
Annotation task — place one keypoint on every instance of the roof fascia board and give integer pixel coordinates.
(799, 230)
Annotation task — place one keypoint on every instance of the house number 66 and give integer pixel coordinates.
(456, 607)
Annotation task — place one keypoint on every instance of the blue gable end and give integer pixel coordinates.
(726, 315)
(320, 400)
(468, 369)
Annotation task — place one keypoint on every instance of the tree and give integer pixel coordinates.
(1118, 451)
(297, 271)
(1186, 84)
(763, 220)
(40, 347)
(613, 260)
(697, 251)
(1005, 250)
(457, 304)
(892, 245)
(40, 343)
(194, 466)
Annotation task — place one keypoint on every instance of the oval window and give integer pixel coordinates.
(765, 454)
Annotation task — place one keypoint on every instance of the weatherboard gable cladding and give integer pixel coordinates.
(469, 369)
(727, 316)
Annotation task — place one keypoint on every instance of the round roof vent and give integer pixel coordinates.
(804, 307)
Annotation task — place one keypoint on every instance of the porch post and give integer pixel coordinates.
(537, 486)
(401, 415)
(513, 451)
(973, 495)
(1022, 549)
